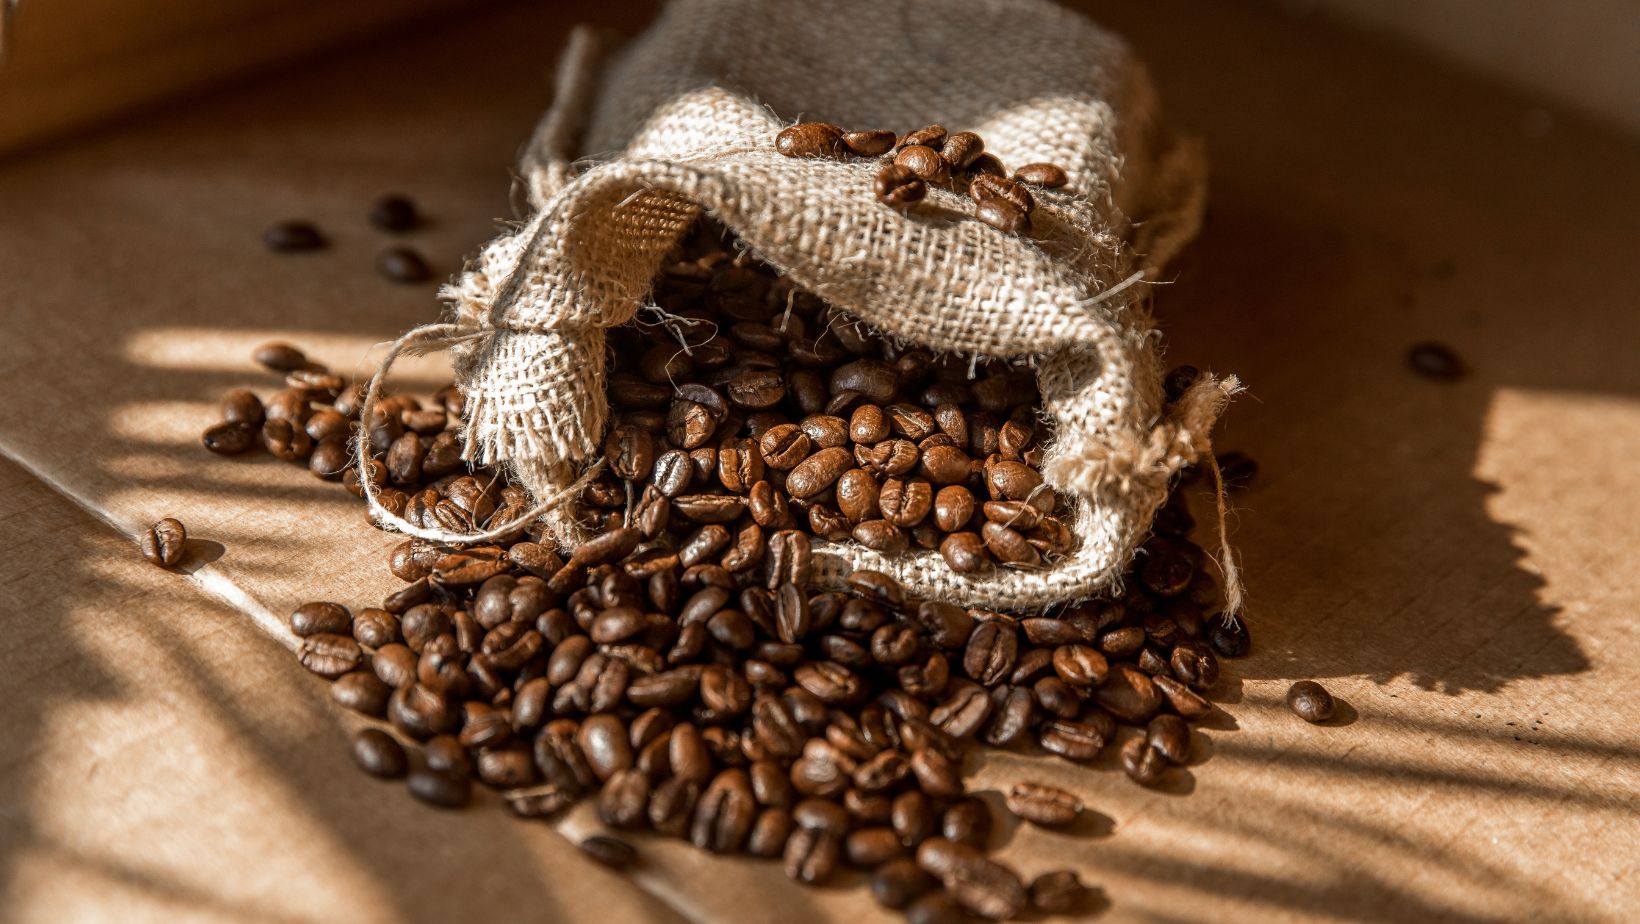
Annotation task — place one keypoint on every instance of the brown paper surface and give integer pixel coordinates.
(1455, 561)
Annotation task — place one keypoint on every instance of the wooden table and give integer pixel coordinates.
(1457, 562)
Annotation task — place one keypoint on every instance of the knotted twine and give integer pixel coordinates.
(642, 140)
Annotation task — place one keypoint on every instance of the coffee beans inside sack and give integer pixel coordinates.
(787, 462)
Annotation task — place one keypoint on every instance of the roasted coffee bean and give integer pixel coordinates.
(402, 264)
(1128, 694)
(818, 472)
(978, 883)
(869, 143)
(1310, 701)
(442, 789)
(329, 655)
(1071, 739)
(1058, 892)
(1047, 176)
(1436, 361)
(964, 710)
(898, 185)
(871, 847)
(905, 503)
(609, 851)
(872, 379)
(231, 438)
(868, 424)
(1044, 805)
(1193, 664)
(1170, 735)
(811, 854)
(811, 139)
(1185, 701)
(944, 624)
(899, 881)
(1013, 712)
(363, 692)
(1123, 642)
(330, 458)
(984, 188)
(1080, 665)
(162, 543)
(374, 628)
(948, 465)
(757, 389)
(630, 451)
(784, 446)
(964, 552)
(938, 775)
(378, 754)
(394, 213)
(936, 907)
(1009, 545)
(1003, 216)
(538, 801)
(962, 149)
(831, 682)
(604, 742)
(825, 431)
(292, 236)
(1228, 636)
(770, 833)
(724, 813)
(889, 458)
(881, 535)
(624, 800)
(1142, 762)
(925, 162)
(991, 651)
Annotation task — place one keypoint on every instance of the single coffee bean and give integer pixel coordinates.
(378, 754)
(1044, 805)
(1185, 701)
(784, 446)
(1436, 361)
(1080, 665)
(984, 188)
(1071, 739)
(978, 883)
(1228, 636)
(1009, 545)
(230, 438)
(818, 472)
(905, 502)
(925, 162)
(394, 213)
(1058, 892)
(292, 237)
(724, 813)
(445, 790)
(932, 136)
(869, 143)
(604, 741)
(363, 692)
(811, 854)
(162, 544)
(991, 651)
(1047, 176)
(881, 535)
(946, 465)
(1128, 694)
(938, 775)
(898, 185)
(401, 264)
(1310, 701)
(811, 139)
(962, 149)
(826, 431)
(624, 800)
(964, 552)
(330, 656)
(1142, 762)
(1003, 216)
(610, 851)
(1170, 736)
(899, 881)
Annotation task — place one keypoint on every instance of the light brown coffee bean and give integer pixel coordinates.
(899, 186)
(1047, 176)
(880, 535)
(811, 139)
(905, 503)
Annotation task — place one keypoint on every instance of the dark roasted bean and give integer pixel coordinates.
(1436, 361)
(232, 437)
(899, 185)
(445, 790)
(1310, 701)
(724, 813)
(1228, 636)
(402, 264)
(378, 754)
(1128, 694)
(770, 833)
(291, 237)
(1058, 892)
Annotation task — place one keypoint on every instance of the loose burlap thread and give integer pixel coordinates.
(642, 140)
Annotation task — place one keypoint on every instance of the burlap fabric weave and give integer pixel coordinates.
(642, 138)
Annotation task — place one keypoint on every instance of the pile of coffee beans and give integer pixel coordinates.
(927, 156)
(752, 406)
(680, 669)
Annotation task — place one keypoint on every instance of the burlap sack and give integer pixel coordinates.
(641, 139)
